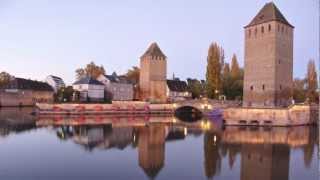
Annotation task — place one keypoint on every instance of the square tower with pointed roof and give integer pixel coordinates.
(268, 76)
(153, 75)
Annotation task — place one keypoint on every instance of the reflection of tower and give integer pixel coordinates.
(151, 148)
(265, 162)
(212, 160)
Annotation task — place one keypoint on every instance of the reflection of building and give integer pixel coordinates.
(151, 147)
(119, 88)
(25, 92)
(265, 162)
(268, 59)
(153, 73)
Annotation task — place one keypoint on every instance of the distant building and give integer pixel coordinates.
(268, 74)
(153, 75)
(118, 87)
(177, 90)
(90, 89)
(24, 92)
(55, 82)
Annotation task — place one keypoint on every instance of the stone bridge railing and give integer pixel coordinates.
(205, 105)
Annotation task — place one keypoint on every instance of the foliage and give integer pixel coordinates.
(312, 82)
(133, 74)
(299, 90)
(232, 80)
(215, 61)
(64, 94)
(5, 78)
(195, 87)
(91, 70)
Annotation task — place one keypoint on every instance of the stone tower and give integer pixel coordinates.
(153, 75)
(268, 59)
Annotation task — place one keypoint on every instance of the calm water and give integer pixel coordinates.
(138, 148)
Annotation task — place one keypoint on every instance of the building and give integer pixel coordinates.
(55, 82)
(25, 92)
(153, 75)
(268, 59)
(90, 89)
(118, 87)
(177, 90)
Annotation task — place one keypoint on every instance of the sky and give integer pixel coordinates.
(44, 37)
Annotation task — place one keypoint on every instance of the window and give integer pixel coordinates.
(251, 88)
(278, 28)
(269, 27)
(255, 31)
(262, 29)
(279, 61)
(249, 32)
(263, 87)
(282, 29)
(280, 87)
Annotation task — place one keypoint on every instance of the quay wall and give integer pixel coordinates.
(16, 98)
(292, 116)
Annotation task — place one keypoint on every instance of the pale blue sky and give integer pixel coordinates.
(42, 37)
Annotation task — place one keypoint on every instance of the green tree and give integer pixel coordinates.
(232, 80)
(215, 61)
(5, 78)
(299, 90)
(312, 82)
(64, 94)
(91, 70)
(195, 87)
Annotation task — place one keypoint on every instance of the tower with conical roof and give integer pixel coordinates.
(153, 75)
(268, 77)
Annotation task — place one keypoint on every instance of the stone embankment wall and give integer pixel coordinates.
(291, 116)
(24, 98)
(117, 107)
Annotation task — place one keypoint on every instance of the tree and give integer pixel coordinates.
(299, 90)
(195, 87)
(312, 82)
(235, 69)
(215, 61)
(64, 94)
(5, 78)
(232, 80)
(133, 74)
(91, 70)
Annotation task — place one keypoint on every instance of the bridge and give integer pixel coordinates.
(204, 105)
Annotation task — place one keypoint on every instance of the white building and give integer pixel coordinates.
(90, 89)
(55, 82)
(119, 88)
(177, 90)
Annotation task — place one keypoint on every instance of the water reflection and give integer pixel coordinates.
(264, 153)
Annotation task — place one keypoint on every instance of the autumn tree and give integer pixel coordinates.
(195, 87)
(232, 80)
(235, 69)
(91, 70)
(5, 78)
(215, 62)
(133, 74)
(312, 82)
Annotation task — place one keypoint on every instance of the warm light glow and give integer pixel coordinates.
(174, 120)
(174, 105)
(134, 138)
(185, 131)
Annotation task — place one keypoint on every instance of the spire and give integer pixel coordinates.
(269, 12)
(154, 50)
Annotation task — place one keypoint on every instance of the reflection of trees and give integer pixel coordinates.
(308, 150)
(212, 159)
